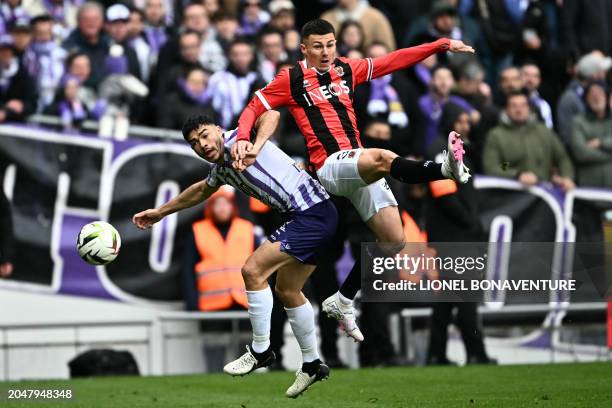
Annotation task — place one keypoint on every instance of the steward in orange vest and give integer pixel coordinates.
(224, 242)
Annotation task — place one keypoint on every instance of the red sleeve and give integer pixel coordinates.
(276, 93)
(406, 57)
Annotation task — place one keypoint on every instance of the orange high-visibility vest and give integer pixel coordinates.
(219, 280)
(412, 232)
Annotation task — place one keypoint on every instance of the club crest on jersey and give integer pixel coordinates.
(339, 71)
(306, 83)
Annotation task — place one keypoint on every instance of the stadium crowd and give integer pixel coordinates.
(533, 103)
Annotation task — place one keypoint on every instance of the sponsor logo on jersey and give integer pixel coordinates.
(326, 92)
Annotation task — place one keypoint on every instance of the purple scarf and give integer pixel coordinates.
(156, 37)
(201, 98)
(383, 99)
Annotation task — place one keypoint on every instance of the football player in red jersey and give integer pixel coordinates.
(319, 94)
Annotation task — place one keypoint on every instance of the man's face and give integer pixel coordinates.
(517, 109)
(91, 22)
(197, 81)
(445, 23)
(284, 20)
(241, 57)
(21, 39)
(42, 31)
(207, 142)
(442, 82)
(596, 99)
(462, 125)
(154, 11)
(531, 77)
(510, 80)
(222, 210)
(118, 30)
(272, 46)
(195, 18)
(227, 28)
(189, 48)
(135, 25)
(319, 50)
(80, 68)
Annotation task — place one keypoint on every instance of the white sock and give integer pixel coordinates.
(260, 314)
(302, 323)
(344, 300)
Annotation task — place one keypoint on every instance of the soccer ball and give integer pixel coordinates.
(98, 243)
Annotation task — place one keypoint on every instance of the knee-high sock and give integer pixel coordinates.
(260, 314)
(302, 323)
(415, 172)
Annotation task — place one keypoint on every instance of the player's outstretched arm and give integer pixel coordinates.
(192, 195)
(244, 152)
(406, 57)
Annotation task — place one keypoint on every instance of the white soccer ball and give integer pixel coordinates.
(98, 243)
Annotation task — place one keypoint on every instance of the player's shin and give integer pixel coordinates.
(415, 172)
(260, 314)
(302, 323)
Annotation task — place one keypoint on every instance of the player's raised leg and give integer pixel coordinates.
(374, 164)
(289, 283)
(259, 266)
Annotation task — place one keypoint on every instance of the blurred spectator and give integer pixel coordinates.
(591, 142)
(420, 73)
(472, 88)
(138, 41)
(283, 19)
(510, 82)
(350, 37)
(444, 22)
(189, 45)
(232, 87)
(500, 22)
(192, 97)
(222, 241)
(375, 25)
(17, 95)
(531, 79)
(252, 17)
(44, 59)
(452, 216)
(591, 67)
(431, 104)
(525, 149)
(63, 12)
(10, 12)
(535, 41)
(226, 25)
(586, 26)
(271, 53)
(89, 38)
(69, 106)
(156, 31)
(6, 237)
(211, 6)
(211, 54)
(22, 36)
(117, 27)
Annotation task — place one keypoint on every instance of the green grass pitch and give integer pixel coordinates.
(556, 385)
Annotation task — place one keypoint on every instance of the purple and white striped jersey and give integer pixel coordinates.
(274, 178)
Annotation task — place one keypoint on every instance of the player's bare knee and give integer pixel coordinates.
(251, 275)
(286, 295)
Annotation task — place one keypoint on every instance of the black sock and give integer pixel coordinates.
(352, 283)
(262, 356)
(312, 367)
(415, 172)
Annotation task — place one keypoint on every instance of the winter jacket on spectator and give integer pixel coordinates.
(593, 164)
(511, 149)
(16, 85)
(96, 52)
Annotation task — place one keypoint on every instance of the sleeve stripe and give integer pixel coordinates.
(370, 69)
(263, 100)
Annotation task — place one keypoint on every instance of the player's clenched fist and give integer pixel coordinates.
(145, 219)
